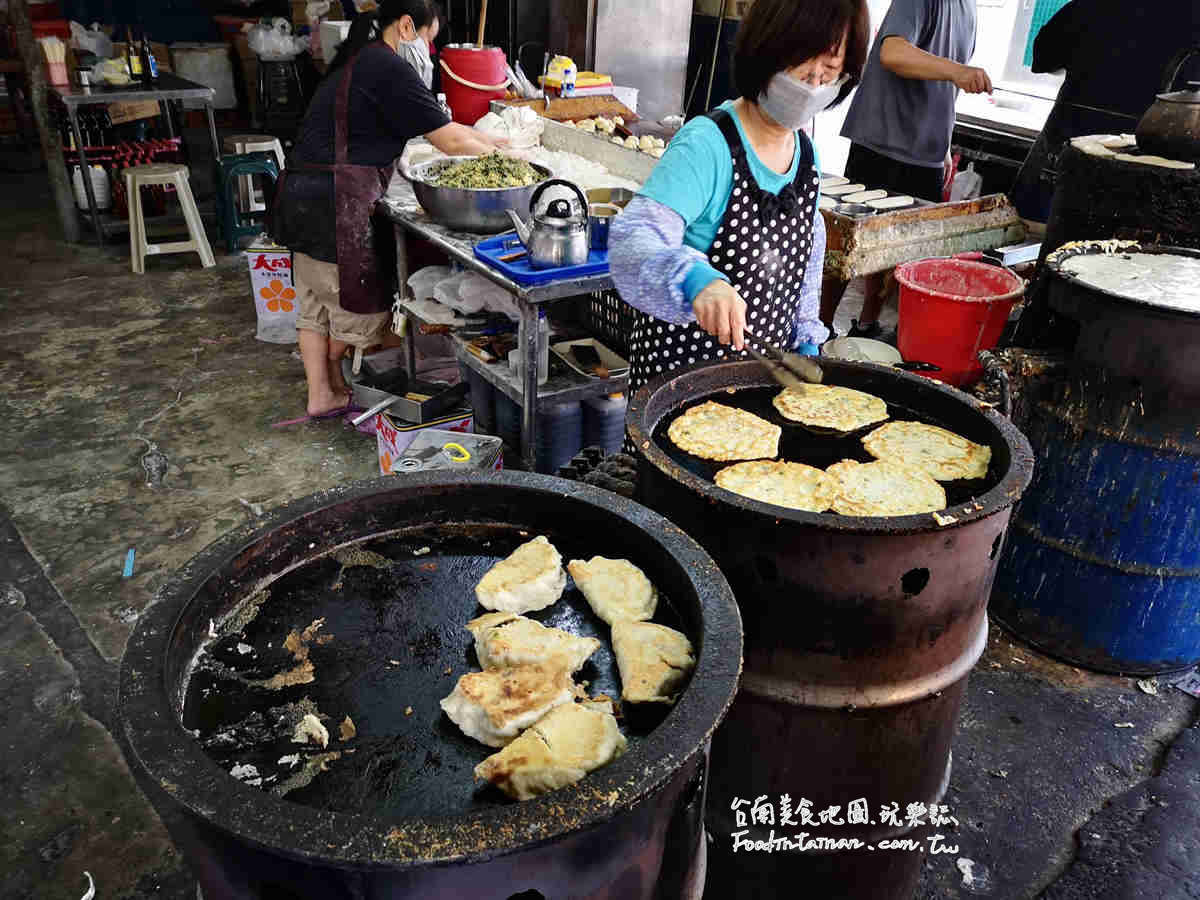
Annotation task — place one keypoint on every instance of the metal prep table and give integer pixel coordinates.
(400, 206)
(168, 87)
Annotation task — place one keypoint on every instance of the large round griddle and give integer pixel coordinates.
(747, 385)
(395, 647)
(405, 797)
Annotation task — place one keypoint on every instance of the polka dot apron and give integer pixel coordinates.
(762, 246)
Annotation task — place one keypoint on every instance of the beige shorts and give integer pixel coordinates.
(317, 287)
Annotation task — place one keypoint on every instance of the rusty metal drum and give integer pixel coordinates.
(859, 636)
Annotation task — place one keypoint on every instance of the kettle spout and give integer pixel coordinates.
(523, 230)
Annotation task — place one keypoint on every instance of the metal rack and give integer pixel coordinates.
(400, 206)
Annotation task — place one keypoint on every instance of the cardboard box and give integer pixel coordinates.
(300, 13)
(274, 292)
(131, 112)
(392, 435)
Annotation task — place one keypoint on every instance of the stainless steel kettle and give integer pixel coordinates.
(1171, 127)
(556, 236)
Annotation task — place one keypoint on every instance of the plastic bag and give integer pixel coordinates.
(967, 185)
(423, 281)
(111, 71)
(93, 40)
(275, 42)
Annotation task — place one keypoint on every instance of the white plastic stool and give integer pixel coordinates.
(163, 173)
(248, 198)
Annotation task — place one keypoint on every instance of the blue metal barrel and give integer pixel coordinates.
(1102, 562)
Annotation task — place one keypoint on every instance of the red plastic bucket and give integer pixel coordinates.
(472, 78)
(950, 310)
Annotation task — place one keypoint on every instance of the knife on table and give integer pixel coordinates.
(791, 370)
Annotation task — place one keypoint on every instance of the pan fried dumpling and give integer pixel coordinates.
(493, 706)
(504, 639)
(563, 746)
(654, 661)
(616, 589)
(531, 578)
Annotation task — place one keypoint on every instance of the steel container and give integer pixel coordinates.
(475, 210)
(860, 633)
(1103, 568)
(632, 829)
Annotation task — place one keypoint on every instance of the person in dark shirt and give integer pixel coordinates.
(324, 210)
(1115, 54)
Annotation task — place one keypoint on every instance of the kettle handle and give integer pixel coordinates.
(1171, 73)
(583, 204)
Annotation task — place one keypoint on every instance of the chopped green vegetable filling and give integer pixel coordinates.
(491, 171)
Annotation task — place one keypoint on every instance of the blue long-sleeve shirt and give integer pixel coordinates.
(657, 273)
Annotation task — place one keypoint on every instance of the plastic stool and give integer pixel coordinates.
(176, 175)
(248, 197)
(230, 171)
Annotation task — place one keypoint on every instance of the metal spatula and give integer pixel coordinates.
(791, 370)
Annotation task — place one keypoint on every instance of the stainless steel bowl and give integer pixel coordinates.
(600, 216)
(616, 196)
(478, 210)
(854, 210)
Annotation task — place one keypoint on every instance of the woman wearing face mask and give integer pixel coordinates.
(417, 51)
(726, 234)
(371, 102)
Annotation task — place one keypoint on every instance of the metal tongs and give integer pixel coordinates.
(791, 370)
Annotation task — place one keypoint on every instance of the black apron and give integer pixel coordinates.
(366, 249)
(762, 246)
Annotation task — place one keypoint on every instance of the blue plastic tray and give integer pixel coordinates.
(520, 271)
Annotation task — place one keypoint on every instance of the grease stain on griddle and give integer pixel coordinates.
(398, 617)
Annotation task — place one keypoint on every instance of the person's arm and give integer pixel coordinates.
(903, 59)
(649, 262)
(461, 140)
(809, 333)
(655, 271)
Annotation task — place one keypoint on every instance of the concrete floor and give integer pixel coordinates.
(138, 413)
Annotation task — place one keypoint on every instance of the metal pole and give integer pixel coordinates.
(56, 167)
(529, 382)
(410, 339)
(716, 50)
(85, 175)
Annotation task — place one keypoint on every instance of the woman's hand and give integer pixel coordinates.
(721, 312)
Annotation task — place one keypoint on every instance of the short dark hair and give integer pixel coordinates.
(780, 34)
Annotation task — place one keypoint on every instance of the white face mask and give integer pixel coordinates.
(416, 52)
(792, 103)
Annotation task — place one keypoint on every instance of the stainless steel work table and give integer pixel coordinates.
(166, 88)
(400, 206)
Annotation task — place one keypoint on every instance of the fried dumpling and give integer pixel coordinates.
(506, 639)
(654, 661)
(616, 589)
(559, 749)
(531, 578)
(494, 706)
